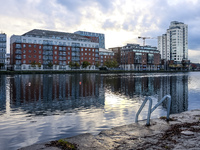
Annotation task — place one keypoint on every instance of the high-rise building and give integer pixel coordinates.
(174, 44)
(44, 49)
(95, 37)
(2, 50)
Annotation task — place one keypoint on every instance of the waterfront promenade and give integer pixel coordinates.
(181, 132)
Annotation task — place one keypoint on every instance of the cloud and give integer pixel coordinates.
(121, 21)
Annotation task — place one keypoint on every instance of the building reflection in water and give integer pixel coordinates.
(177, 87)
(38, 94)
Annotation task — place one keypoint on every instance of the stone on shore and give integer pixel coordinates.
(181, 133)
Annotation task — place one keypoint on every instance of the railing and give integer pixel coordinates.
(150, 110)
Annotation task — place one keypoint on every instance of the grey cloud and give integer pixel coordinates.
(108, 24)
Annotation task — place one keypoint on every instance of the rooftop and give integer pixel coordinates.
(53, 34)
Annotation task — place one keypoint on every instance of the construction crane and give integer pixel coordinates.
(140, 37)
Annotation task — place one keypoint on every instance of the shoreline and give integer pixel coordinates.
(84, 71)
(182, 132)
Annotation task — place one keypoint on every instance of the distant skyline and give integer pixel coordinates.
(121, 21)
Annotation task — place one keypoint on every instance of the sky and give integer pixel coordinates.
(122, 21)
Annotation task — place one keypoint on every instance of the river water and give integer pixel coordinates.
(44, 107)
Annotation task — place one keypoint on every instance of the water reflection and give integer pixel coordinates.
(36, 108)
(39, 93)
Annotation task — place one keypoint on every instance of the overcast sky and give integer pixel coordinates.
(122, 21)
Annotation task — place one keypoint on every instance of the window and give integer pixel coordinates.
(35, 51)
(29, 40)
(85, 58)
(34, 56)
(55, 57)
(81, 58)
(24, 45)
(89, 58)
(29, 51)
(29, 56)
(55, 52)
(40, 47)
(39, 56)
(24, 40)
(34, 46)
(93, 50)
(24, 51)
(24, 56)
(82, 54)
(89, 49)
(55, 47)
(24, 61)
(89, 54)
(85, 53)
(68, 53)
(29, 61)
(81, 49)
(29, 45)
(40, 52)
(68, 58)
(68, 48)
(86, 49)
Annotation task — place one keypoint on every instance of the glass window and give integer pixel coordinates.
(34, 56)
(24, 51)
(29, 45)
(24, 45)
(40, 47)
(29, 56)
(39, 56)
(35, 51)
(40, 52)
(85, 53)
(29, 51)
(24, 56)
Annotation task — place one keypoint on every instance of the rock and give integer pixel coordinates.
(188, 133)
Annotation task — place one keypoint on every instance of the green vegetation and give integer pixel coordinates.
(66, 145)
(1, 65)
(97, 64)
(111, 63)
(50, 64)
(85, 64)
(33, 64)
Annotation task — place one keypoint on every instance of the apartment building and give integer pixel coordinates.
(174, 44)
(95, 37)
(105, 55)
(117, 53)
(2, 50)
(44, 49)
(136, 57)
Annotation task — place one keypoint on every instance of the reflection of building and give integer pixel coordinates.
(2, 92)
(2, 50)
(95, 37)
(105, 55)
(136, 57)
(56, 92)
(177, 87)
(43, 49)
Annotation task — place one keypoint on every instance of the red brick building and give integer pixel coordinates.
(136, 57)
(43, 49)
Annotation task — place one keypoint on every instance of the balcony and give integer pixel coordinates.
(2, 46)
(18, 57)
(18, 63)
(96, 55)
(18, 46)
(64, 54)
(75, 59)
(18, 52)
(18, 41)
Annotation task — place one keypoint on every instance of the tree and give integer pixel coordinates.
(97, 64)
(39, 64)
(76, 65)
(50, 64)
(85, 64)
(33, 64)
(111, 63)
(71, 64)
(114, 64)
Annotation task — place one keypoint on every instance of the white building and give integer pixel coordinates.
(2, 50)
(174, 44)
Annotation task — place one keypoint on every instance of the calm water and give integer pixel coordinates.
(38, 108)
